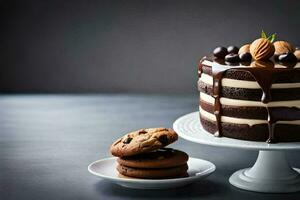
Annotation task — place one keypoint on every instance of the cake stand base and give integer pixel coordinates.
(271, 173)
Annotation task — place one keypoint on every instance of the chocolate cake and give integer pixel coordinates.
(258, 100)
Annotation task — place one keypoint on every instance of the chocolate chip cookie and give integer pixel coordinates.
(180, 176)
(161, 158)
(172, 172)
(142, 141)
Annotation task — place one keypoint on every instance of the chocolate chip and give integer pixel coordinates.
(142, 132)
(163, 139)
(160, 157)
(127, 140)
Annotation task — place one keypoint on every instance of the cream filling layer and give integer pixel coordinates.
(236, 102)
(226, 82)
(234, 120)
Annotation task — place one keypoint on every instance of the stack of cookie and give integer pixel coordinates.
(142, 154)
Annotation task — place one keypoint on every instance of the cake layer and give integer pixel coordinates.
(258, 132)
(248, 121)
(287, 113)
(237, 111)
(237, 102)
(251, 94)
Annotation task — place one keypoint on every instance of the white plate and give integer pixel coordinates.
(106, 169)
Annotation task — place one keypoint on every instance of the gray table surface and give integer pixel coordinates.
(47, 142)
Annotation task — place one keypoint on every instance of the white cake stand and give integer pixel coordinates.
(271, 172)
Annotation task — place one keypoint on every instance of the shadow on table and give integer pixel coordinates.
(199, 189)
(236, 193)
(202, 189)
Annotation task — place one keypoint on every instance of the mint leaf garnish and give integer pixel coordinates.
(271, 38)
(263, 34)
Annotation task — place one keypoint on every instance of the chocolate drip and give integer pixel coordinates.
(264, 77)
(200, 66)
(271, 126)
(217, 73)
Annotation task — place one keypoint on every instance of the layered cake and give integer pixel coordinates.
(252, 92)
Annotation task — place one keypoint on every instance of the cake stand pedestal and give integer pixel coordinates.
(271, 172)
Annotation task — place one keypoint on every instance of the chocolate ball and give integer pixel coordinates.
(276, 57)
(245, 57)
(232, 49)
(287, 57)
(233, 57)
(220, 52)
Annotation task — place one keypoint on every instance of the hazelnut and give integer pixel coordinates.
(297, 54)
(262, 49)
(245, 49)
(261, 63)
(282, 47)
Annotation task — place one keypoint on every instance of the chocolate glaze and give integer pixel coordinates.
(264, 73)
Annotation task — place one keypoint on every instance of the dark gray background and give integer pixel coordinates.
(126, 46)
